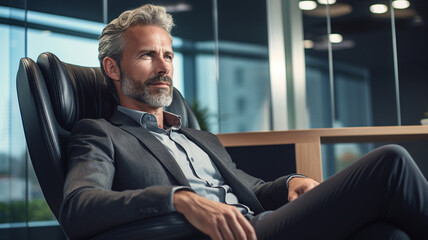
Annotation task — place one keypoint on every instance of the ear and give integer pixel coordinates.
(111, 68)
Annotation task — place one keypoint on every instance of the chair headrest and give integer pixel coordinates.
(76, 92)
(79, 92)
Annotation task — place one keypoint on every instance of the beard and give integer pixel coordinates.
(141, 91)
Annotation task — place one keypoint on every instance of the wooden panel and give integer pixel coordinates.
(308, 159)
(308, 142)
(330, 135)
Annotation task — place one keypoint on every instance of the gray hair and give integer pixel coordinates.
(112, 40)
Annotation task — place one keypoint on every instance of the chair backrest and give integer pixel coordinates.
(53, 96)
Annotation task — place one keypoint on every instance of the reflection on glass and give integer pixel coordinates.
(340, 156)
(400, 4)
(378, 8)
(244, 85)
(206, 88)
(412, 51)
(13, 197)
(307, 5)
(317, 69)
(244, 94)
(335, 38)
(325, 2)
(364, 72)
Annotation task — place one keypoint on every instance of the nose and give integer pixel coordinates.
(163, 67)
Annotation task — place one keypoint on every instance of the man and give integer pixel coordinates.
(141, 163)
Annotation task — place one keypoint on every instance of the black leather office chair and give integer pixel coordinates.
(53, 96)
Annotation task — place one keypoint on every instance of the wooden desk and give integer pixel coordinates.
(308, 142)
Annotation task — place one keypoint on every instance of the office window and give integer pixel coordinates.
(13, 187)
(364, 67)
(383, 44)
(244, 81)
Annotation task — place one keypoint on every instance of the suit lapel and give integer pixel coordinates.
(152, 143)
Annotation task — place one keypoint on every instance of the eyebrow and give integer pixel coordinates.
(153, 51)
(144, 51)
(170, 53)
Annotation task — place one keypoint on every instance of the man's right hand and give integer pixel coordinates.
(218, 220)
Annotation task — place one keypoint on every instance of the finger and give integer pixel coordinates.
(236, 226)
(247, 227)
(215, 235)
(305, 188)
(238, 231)
(310, 186)
(292, 196)
(225, 229)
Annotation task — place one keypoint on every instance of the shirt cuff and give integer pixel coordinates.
(293, 176)
(171, 194)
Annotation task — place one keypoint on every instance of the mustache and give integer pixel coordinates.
(158, 79)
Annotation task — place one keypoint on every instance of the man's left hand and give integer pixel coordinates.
(299, 185)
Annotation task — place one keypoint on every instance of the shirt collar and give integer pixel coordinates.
(148, 120)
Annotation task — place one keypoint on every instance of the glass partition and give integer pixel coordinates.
(370, 56)
(364, 67)
(244, 82)
(14, 197)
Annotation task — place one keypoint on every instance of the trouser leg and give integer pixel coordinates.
(384, 186)
(380, 231)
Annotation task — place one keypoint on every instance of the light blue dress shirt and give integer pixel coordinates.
(204, 177)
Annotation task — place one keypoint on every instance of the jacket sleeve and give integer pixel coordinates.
(90, 206)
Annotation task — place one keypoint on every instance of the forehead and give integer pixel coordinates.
(147, 36)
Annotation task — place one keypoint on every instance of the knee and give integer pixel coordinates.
(393, 154)
(393, 151)
(387, 155)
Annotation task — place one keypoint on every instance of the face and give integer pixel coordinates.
(146, 66)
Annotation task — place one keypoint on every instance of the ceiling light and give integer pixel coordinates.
(400, 4)
(324, 2)
(307, 5)
(378, 8)
(308, 44)
(335, 10)
(335, 38)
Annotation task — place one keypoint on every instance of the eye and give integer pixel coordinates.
(146, 55)
(169, 57)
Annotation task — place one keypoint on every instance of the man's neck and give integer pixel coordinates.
(159, 117)
(157, 112)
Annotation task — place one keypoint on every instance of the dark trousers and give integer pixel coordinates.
(384, 195)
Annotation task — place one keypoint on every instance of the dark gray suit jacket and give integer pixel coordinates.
(118, 172)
